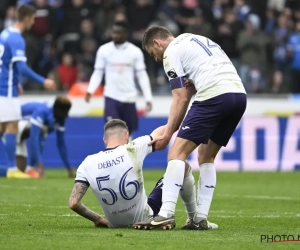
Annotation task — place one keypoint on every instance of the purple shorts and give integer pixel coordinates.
(155, 197)
(214, 119)
(123, 111)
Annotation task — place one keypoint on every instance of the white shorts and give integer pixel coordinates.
(21, 149)
(10, 109)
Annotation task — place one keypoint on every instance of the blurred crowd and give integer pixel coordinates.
(262, 37)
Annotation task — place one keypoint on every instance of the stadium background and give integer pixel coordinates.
(255, 35)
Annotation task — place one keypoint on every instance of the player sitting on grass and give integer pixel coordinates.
(116, 178)
(40, 119)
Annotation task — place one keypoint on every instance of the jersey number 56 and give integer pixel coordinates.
(122, 188)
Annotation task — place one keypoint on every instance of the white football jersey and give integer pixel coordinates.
(120, 63)
(203, 61)
(116, 178)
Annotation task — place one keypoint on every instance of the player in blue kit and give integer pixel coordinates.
(39, 120)
(12, 66)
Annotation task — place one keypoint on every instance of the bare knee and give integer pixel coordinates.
(208, 152)
(181, 149)
(205, 159)
(11, 127)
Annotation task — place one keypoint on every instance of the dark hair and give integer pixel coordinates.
(24, 11)
(63, 104)
(115, 123)
(155, 32)
(121, 24)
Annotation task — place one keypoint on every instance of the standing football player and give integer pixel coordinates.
(115, 176)
(12, 66)
(219, 105)
(121, 62)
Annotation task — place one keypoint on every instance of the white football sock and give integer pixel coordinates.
(206, 187)
(188, 194)
(173, 180)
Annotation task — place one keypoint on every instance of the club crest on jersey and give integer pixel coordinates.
(172, 73)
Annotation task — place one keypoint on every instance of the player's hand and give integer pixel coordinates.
(71, 173)
(161, 142)
(88, 97)
(20, 89)
(101, 222)
(49, 84)
(148, 106)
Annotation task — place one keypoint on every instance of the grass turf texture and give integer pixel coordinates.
(34, 215)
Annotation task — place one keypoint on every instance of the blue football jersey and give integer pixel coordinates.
(41, 115)
(12, 49)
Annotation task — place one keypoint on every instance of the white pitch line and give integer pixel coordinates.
(263, 197)
(61, 215)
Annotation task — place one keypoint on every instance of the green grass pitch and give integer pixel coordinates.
(34, 215)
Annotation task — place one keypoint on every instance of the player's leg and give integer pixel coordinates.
(21, 161)
(21, 148)
(187, 193)
(111, 109)
(206, 186)
(129, 115)
(10, 146)
(10, 141)
(174, 176)
(154, 199)
(236, 104)
(10, 114)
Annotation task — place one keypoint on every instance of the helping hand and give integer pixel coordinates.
(161, 142)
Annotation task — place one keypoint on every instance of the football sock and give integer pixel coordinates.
(206, 187)
(10, 149)
(188, 194)
(3, 171)
(173, 180)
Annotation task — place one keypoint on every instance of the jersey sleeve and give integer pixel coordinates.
(38, 118)
(139, 61)
(172, 64)
(100, 59)
(17, 47)
(142, 147)
(81, 173)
